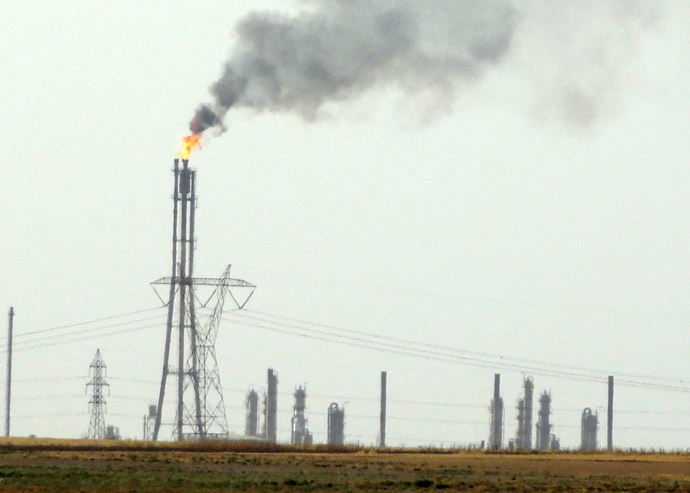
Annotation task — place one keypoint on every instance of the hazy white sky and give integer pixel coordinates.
(542, 215)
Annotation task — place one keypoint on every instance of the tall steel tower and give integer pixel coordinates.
(97, 403)
(200, 410)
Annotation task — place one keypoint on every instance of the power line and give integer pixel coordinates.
(346, 398)
(371, 416)
(50, 379)
(407, 350)
(444, 404)
(87, 322)
(46, 397)
(370, 341)
(84, 331)
(444, 348)
(53, 415)
(136, 380)
(398, 349)
(95, 336)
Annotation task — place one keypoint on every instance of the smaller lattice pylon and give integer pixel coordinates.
(97, 403)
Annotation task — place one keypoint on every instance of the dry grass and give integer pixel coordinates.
(84, 465)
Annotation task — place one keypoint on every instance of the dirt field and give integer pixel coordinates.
(31, 465)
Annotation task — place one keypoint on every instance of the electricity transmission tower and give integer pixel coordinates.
(97, 403)
(200, 411)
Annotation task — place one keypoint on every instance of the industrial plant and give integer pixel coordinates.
(196, 410)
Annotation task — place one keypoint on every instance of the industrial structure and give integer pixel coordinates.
(112, 433)
(271, 407)
(336, 424)
(589, 426)
(554, 443)
(200, 410)
(496, 408)
(382, 416)
(545, 439)
(300, 434)
(544, 425)
(149, 422)
(97, 403)
(194, 310)
(523, 439)
(251, 423)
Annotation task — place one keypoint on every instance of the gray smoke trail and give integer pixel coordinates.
(577, 54)
(342, 48)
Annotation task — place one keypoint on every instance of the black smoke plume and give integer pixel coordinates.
(340, 48)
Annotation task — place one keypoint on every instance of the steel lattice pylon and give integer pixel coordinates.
(200, 412)
(97, 403)
(212, 405)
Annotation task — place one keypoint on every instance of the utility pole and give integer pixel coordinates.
(382, 429)
(609, 417)
(8, 395)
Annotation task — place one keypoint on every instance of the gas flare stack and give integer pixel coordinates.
(195, 306)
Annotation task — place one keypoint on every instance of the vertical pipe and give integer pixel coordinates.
(183, 291)
(382, 429)
(171, 305)
(8, 395)
(200, 423)
(609, 416)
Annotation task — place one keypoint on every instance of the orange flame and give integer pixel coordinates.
(189, 143)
